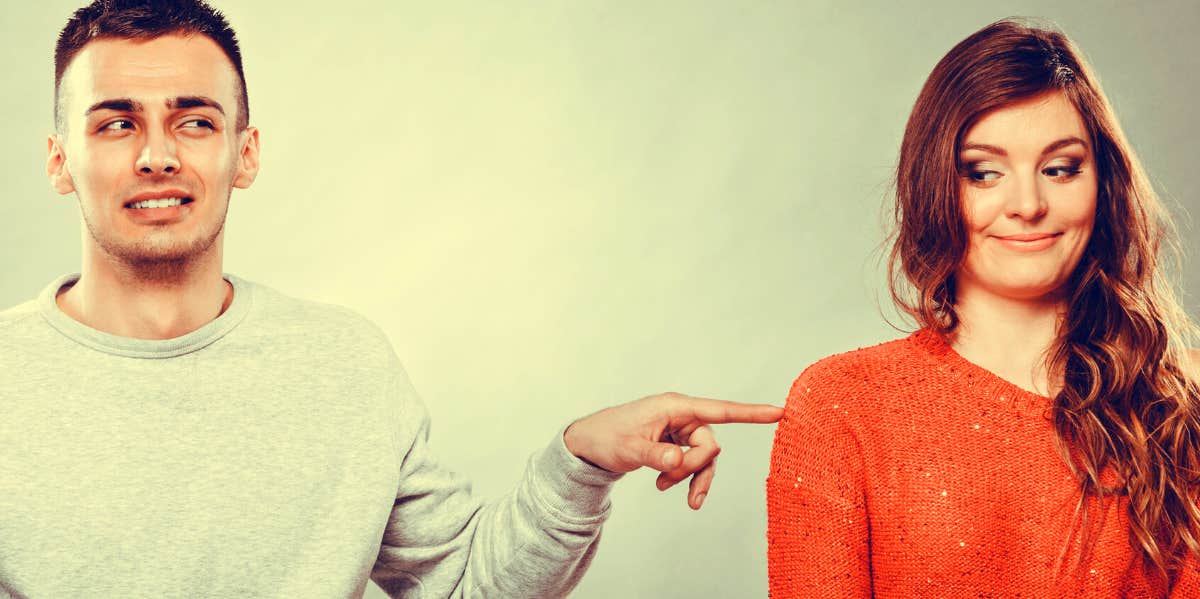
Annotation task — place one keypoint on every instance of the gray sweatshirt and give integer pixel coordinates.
(278, 451)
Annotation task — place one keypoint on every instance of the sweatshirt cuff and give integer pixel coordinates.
(574, 489)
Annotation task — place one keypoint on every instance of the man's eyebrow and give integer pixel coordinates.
(117, 104)
(128, 105)
(195, 102)
(1052, 146)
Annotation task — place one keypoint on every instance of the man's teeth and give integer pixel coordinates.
(163, 203)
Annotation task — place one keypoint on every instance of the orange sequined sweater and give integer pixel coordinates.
(903, 470)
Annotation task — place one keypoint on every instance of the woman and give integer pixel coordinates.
(1040, 434)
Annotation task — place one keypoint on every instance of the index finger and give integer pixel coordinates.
(719, 411)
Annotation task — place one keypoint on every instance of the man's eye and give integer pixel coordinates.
(198, 124)
(117, 126)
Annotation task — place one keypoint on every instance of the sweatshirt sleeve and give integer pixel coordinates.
(536, 541)
(818, 537)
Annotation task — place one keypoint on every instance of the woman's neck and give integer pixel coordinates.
(1010, 337)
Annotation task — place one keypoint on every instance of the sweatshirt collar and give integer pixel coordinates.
(144, 348)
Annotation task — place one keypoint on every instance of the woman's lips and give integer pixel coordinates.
(1028, 242)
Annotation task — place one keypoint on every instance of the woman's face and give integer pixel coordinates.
(1028, 189)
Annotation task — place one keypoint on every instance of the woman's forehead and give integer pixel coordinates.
(1028, 126)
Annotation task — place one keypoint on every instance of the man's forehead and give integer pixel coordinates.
(161, 67)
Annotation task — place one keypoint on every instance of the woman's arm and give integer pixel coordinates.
(818, 535)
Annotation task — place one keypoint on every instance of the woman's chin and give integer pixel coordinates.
(1032, 289)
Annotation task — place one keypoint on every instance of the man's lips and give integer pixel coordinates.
(158, 199)
(156, 204)
(159, 207)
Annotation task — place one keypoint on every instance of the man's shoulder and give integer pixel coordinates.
(18, 315)
(24, 332)
(321, 326)
(22, 310)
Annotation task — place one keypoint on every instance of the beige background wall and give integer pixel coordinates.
(555, 206)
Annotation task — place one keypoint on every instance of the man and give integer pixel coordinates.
(170, 430)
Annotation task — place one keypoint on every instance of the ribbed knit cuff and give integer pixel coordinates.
(572, 489)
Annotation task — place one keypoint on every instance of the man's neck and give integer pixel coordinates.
(1009, 337)
(161, 301)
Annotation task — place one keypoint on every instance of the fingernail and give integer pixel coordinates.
(668, 457)
(700, 500)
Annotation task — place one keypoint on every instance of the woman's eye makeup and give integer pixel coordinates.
(1064, 169)
(981, 173)
(978, 172)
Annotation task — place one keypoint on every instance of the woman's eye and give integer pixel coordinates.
(983, 176)
(1061, 172)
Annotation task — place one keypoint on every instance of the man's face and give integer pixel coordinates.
(150, 146)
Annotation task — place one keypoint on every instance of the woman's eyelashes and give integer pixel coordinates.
(979, 174)
(1065, 170)
(984, 174)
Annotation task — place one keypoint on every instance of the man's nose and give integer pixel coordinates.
(158, 156)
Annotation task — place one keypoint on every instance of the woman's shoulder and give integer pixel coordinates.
(864, 393)
(837, 394)
(874, 365)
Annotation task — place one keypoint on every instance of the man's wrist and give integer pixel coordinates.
(575, 446)
(580, 468)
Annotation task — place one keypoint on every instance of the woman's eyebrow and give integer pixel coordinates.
(997, 150)
(1062, 143)
(1052, 146)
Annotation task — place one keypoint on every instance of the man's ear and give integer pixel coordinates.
(247, 166)
(56, 166)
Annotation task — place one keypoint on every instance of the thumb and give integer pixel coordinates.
(659, 456)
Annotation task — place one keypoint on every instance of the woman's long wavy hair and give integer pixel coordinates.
(1128, 403)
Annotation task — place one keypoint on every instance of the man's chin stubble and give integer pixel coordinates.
(152, 263)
